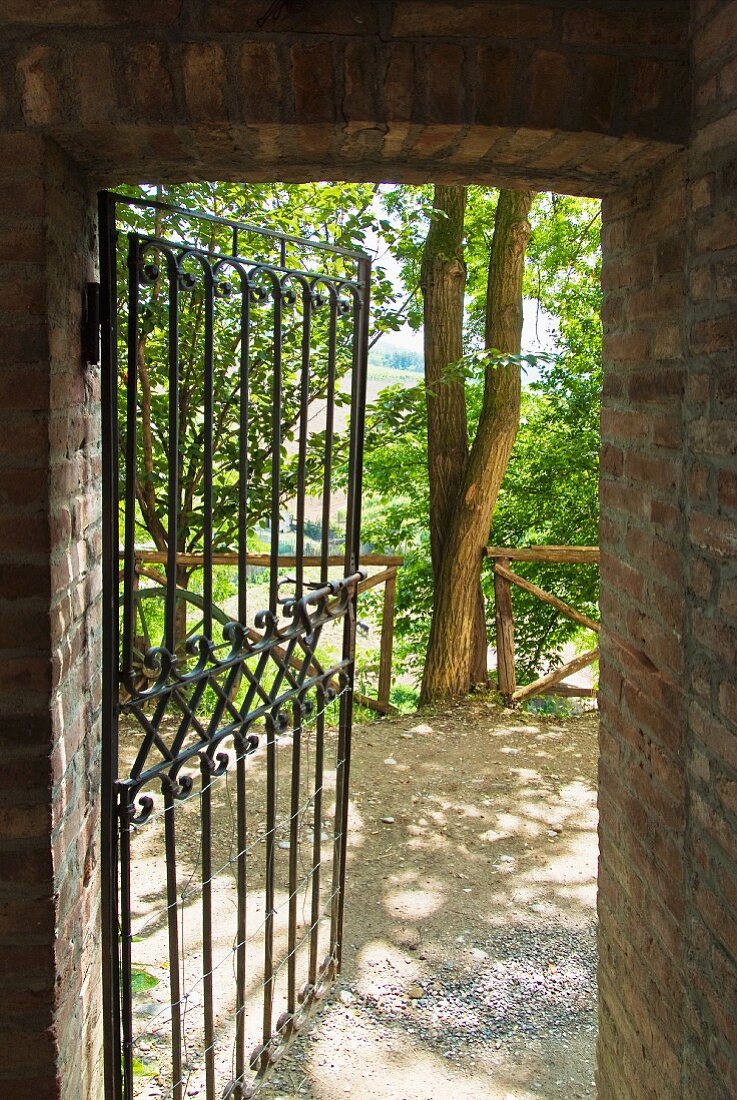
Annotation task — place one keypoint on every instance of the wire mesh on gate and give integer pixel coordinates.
(226, 742)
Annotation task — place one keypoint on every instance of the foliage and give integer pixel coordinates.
(141, 980)
(549, 494)
(342, 215)
(396, 509)
(550, 490)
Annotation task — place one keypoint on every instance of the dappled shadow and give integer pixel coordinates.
(470, 936)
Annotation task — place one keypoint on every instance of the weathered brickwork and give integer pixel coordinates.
(642, 789)
(668, 885)
(49, 609)
(575, 95)
(711, 512)
(74, 517)
(27, 915)
(563, 95)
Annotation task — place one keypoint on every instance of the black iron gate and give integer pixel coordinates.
(231, 356)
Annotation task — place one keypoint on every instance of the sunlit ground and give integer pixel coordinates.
(470, 938)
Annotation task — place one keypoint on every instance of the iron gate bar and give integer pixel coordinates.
(304, 403)
(238, 227)
(231, 674)
(276, 393)
(353, 551)
(316, 839)
(111, 985)
(243, 470)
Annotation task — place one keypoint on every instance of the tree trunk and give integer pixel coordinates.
(443, 282)
(450, 667)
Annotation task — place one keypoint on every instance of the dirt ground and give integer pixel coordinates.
(469, 958)
(469, 968)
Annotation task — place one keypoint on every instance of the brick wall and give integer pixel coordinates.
(75, 545)
(534, 92)
(582, 96)
(642, 791)
(711, 509)
(49, 635)
(27, 916)
(668, 884)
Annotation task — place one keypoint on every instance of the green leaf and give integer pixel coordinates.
(141, 980)
(144, 1069)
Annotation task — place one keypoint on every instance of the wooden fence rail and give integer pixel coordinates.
(504, 578)
(387, 575)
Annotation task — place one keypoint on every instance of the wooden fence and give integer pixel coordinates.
(386, 576)
(504, 579)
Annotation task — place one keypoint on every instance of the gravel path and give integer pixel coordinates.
(470, 966)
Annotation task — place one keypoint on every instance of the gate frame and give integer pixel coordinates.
(109, 827)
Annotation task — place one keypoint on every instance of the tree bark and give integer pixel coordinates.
(443, 283)
(450, 664)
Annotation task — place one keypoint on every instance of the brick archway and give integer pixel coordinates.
(593, 98)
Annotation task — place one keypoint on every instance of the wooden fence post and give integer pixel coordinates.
(504, 634)
(387, 639)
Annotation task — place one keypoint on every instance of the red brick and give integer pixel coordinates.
(93, 13)
(595, 25)
(441, 68)
(149, 85)
(703, 580)
(611, 460)
(718, 233)
(653, 470)
(599, 90)
(399, 82)
(94, 83)
(714, 734)
(666, 516)
(716, 32)
(621, 576)
(29, 921)
(714, 334)
(620, 425)
(40, 73)
(699, 482)
(728, 79)
(728, 701)
(492, 96)
(627, 347)
(23, 296)
(313, 82)
(716, 917)
(667, 431)
(713, 534)
(500, 20)
(656, 301)
(655, 386)
(623, 498)
(549, 87)
(205, 82)
(633, 269)
(646, 85)
(715, 635)
(333, 17)
(363, 63)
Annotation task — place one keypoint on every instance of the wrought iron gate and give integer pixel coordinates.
(228, 354)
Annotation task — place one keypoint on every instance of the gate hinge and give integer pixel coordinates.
(91, 324)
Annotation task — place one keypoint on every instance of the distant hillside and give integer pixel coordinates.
(386, 354)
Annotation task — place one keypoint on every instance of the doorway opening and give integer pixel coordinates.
(173, 1018)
